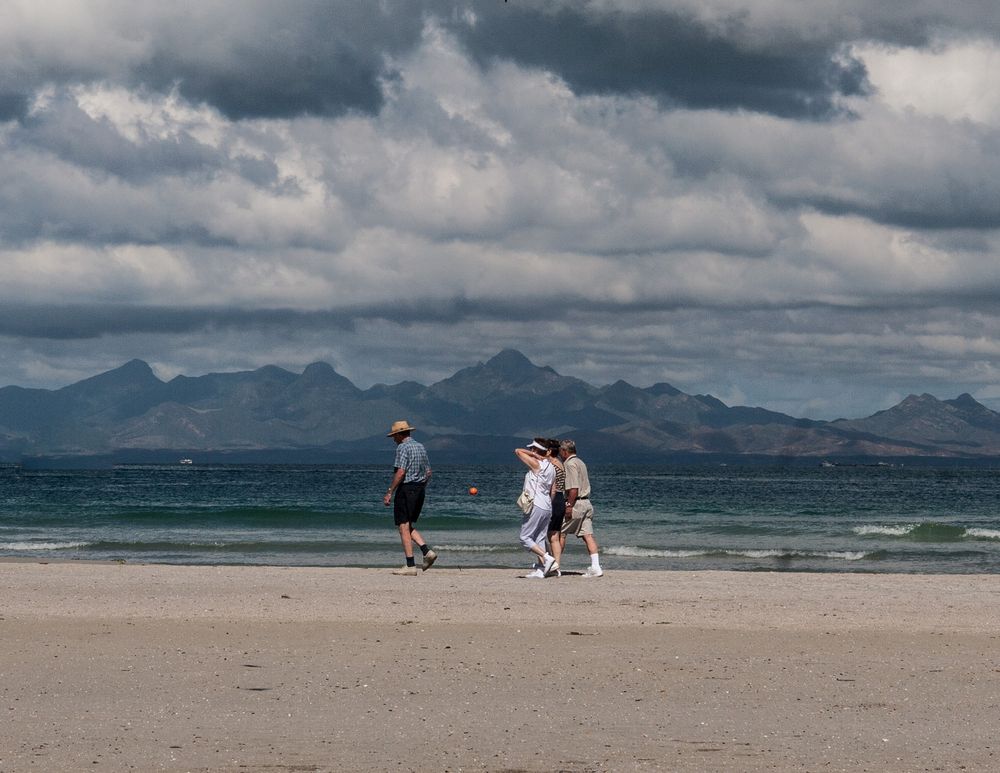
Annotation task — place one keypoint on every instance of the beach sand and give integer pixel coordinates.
(122, 667)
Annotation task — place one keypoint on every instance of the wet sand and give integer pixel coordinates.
(133, 667)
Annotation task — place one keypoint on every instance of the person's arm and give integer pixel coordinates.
(397, 479)
(571, 495)
(528, 458)
(572, 491)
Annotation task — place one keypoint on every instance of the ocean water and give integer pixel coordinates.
(839, 519)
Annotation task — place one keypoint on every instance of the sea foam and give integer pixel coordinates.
(983, 533)
(42, 545)
(636, 552)
(886, 531)
(477, 548)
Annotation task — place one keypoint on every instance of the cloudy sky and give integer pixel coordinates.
(785, 203)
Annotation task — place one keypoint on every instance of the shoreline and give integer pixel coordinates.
(575, 570)
(219, 668)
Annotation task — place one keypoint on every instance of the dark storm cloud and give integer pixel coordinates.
(965, 209)
(322, 58)
(79, 322)
(87, 321)
(666, 55)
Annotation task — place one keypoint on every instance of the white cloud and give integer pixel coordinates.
(955, 80)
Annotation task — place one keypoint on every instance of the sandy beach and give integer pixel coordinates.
(138, 667)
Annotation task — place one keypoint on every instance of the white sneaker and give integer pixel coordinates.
(406, 571)
(537, 574)
(548, 565)
(592, 572)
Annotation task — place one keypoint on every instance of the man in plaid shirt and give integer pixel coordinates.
(412, 471)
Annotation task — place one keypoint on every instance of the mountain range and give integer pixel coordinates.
(478, 414)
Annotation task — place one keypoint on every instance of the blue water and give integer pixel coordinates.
(841, 519)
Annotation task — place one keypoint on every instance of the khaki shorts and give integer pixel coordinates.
(582, 522)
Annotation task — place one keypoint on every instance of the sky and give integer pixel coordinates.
(792, 204)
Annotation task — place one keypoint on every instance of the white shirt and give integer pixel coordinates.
(540, 484)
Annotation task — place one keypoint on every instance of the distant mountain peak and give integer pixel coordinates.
(322, 373)
(319, 370)
(965, 400)
(133, 371)
(509, 359)
(662, 388)
(135, 367)
(918, 400)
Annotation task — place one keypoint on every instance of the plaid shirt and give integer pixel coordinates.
(412, 457)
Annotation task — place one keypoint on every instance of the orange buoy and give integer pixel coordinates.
(473, 491)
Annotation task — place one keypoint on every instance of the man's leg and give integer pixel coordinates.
(407, 509)
(595, 559)
(406, 537)
(416, 507)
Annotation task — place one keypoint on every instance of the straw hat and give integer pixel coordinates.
(400, 426)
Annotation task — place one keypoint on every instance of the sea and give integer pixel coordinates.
(886, 519)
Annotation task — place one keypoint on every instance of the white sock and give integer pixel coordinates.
(595, 560)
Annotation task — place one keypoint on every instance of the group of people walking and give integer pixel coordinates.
(556, 481)
(559, 487)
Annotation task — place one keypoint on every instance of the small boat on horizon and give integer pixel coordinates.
(186, 461)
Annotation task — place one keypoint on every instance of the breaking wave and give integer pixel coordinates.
(927, 532)
(839, 555)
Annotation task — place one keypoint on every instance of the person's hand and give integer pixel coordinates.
(387, 498)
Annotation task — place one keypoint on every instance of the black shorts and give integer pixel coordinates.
(408, 503)
(558, 512)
